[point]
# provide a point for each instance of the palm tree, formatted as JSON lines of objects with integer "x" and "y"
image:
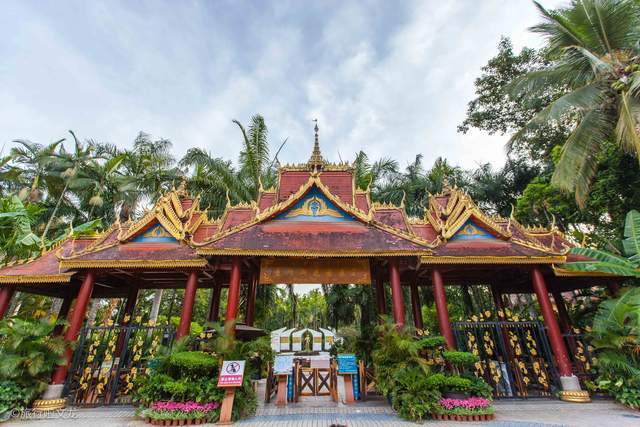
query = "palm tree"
{"x": 255, "y": 165}
{"x": 593, "y": 50}
{"x": 33, "y": 160}
{"x": 148, "y": 171}
{"x": 71, "y": 167}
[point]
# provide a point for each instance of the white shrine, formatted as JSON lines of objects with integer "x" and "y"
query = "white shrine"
{"x": 285, "y": 340}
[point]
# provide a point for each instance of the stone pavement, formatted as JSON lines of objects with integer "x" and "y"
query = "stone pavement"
{"x": 517, "y": 413}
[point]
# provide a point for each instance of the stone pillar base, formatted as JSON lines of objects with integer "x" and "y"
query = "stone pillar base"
{"x": 571, "y": 391}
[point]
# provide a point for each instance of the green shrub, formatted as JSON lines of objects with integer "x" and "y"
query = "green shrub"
{"x": 460, "y": 358}
{"x": 192, "y": 364}
{"x": 431, "y": 342}
{"x": 12, "y": 396}
{"x": 456, "y": 384}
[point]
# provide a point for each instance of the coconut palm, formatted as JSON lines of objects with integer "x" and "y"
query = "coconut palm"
{"x": 255, "y": 165}
{"x": 593, "y": 50}
{"x": 33, "y": 160}
{"x": 148, "y": 171}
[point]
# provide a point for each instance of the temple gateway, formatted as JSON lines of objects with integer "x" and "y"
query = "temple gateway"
{"x": 316, "y": 226}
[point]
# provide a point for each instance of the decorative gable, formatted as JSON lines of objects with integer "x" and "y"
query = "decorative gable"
{"x": 471, "y": 231}
{"x": 314, "y": 206}
{"x": 154, "y": 234}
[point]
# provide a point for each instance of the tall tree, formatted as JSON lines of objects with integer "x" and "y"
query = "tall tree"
{"x": 593, "y": 50}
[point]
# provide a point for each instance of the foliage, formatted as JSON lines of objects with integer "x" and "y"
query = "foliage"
{"x": 192, "y": 364}
{"x": 28, "y": 354}
{"x": 605, "y": 262}
{"x": 17, "y": 239}
{"x": 460, "y": 358}
{"x": 615, "y": 338}
{"x": 413, "y": 397}
{"x": 13, "y": 397}
{"x": 592, "y": 46}
{"x": 395, "y": 351}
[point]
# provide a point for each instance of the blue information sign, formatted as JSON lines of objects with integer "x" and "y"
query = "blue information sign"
{"x": 347, "y": 364}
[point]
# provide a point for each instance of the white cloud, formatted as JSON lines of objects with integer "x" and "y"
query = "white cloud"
{"x": 392, "y": 78}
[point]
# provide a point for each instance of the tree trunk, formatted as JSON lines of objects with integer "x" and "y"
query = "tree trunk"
{"x": 155, "y": 307}
{"x": 54, "y": 213}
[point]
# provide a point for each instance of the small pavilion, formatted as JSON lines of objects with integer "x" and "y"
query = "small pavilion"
{"x": 314, "y": 226}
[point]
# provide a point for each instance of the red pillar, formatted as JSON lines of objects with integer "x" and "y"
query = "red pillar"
{"x": 75, "y": 323}
{"x": 187, "y": 305}
{"x": 563, "y": 315}
{"x": 62, "y": 314}
{"x": 214, "y": 304}
{"x": 396, "y": 292}
{"x": 251, "y": 300}
{"x": 553, "y": 330}
{"x": 416, "y": 306}
{"x": 6, "y": 292}
{"x": 441, "y": 307}
{"x": 380, "y": 297}
{"x": 234, "y": 296}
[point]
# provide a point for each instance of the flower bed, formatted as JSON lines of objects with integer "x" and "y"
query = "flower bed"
{"x": 470, "y": 409}
{"x": 180, "y": 413}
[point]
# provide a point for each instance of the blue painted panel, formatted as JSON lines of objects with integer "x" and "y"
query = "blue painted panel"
{"x": 347, "y": 364}
{"x": 314, "y": 207}
{"x": 471, "y": 231}
{"x": 156, "y": 233}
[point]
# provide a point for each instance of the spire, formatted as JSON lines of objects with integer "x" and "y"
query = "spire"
{"x": 316, "y": 160}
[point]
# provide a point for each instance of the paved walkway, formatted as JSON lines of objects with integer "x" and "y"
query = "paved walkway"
{"x": 530, "y": 413}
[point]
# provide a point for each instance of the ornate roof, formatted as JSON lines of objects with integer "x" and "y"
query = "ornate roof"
{"x": 315, "y": 210}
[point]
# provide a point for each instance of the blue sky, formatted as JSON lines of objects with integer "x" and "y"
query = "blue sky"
{"x": 390, "y": 77}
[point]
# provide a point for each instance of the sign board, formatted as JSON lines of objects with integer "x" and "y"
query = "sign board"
{"x": 347, "y": 364}
{"x": 231, "y": 374}
{"x": 282, "y": 365}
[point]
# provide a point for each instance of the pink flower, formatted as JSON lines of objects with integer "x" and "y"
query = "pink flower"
{"x": 184, "y": 406}
{"x": 472, "y": 403}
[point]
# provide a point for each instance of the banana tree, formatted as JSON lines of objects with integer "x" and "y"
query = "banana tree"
{"x": 626, "y": 263}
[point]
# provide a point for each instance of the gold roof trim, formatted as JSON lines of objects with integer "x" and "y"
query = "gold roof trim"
{"x": 563, "y": 272}
{"x": 115, "y": 263}
{"x": 29, "y": 279}
{"x": 491, "y": 259}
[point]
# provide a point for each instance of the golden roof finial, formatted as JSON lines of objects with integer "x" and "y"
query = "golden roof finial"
{"x": 228, "y": 199}
{"x": 511, "y": 217}
{"x": 316, "y": 161}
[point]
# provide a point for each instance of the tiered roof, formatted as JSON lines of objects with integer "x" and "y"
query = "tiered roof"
{"x": 315, "y": 210}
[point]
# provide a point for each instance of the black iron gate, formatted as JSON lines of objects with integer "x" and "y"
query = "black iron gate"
{"x": 108, "y": 359}
{"x": 515, "y": 357}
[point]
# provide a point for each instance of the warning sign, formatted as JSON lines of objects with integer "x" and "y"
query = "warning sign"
{"x": 231, "y": 373}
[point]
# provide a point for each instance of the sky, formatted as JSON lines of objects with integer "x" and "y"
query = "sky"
{"x": 392, "y": 78}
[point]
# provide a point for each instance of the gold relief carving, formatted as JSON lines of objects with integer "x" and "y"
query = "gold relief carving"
{"x": 314, "y": 206}
{"x": 157, "y": 232}
{"x": 345, "y": 271}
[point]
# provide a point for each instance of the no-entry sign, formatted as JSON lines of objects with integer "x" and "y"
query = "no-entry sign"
{"x": 231, "y": 373}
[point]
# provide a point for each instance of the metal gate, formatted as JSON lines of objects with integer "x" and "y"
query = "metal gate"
{"x": 108, "y": 359}
{"x": 515, "y": 357}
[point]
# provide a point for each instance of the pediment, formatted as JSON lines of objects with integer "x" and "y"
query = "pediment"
{"x": 314, "y": 206}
